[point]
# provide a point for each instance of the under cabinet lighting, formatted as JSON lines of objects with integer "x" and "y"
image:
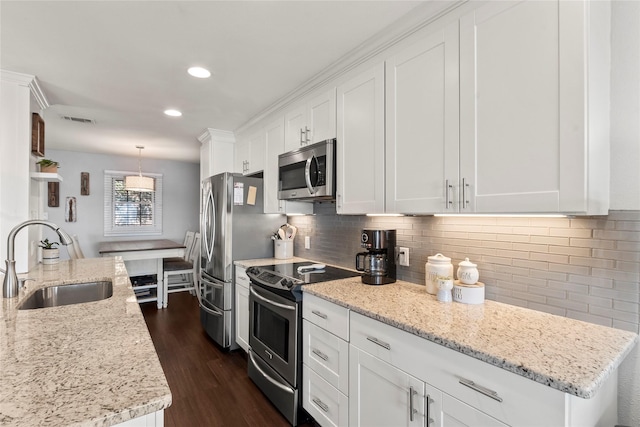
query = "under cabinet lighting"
{"x": 507, "y": 215}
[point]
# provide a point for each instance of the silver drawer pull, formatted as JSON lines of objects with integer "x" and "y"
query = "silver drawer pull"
{"x": 319, "y": 314}
{"x": 487, "y": 392}
{"x": 412, "y": 410}
{"x": 380, "y": 343}
{"x": 320, "y": 404}
{"x": 320, "y": 354}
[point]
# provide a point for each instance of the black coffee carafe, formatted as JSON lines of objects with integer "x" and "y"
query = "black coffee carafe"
{"x": 378, "y": 263}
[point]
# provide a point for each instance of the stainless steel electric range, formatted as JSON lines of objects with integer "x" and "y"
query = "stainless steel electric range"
{"x": 275, "y": 329}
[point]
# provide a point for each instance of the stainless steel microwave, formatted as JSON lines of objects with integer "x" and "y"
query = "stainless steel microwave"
{"x": 308, "y": 173}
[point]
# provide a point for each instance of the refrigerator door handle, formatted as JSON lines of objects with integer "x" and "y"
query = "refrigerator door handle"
{"x": 211, "y": 309}
{"x": 209, "y": 224}
{"x": 213, "y": 282}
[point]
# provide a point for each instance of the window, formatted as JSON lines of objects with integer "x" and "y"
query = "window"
{"x": 131, "y": 213}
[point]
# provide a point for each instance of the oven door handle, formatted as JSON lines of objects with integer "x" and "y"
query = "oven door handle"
{"x": 268, "y": 301}
{"x": 267, "y": 377}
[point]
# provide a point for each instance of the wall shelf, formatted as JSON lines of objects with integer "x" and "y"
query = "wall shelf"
{"x": 50, "y": 177}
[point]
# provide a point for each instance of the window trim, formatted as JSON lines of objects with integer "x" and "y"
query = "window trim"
{"x": 137, "y": 230}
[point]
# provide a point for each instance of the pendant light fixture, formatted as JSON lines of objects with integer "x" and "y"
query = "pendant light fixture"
{"x": 139, "y": 182}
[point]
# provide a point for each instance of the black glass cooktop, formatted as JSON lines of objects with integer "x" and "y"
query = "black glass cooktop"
{"x": 286, "y": 279}
{"x": 326, "y": 274}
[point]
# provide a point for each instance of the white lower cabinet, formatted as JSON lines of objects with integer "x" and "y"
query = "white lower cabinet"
{"x": 396, "y": 378}
{"x": 242, "y": 308}
{"x": 383, "y": 395}
{"x": 325, "y": 361}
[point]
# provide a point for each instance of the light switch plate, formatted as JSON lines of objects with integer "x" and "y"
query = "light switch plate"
{"x": 307, "y": 242}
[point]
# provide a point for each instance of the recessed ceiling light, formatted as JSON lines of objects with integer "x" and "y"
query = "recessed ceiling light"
{"x": 173, "y": 113}
{"x": 201, "y": 73}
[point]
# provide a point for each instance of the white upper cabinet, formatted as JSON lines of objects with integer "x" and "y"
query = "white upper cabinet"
{"x": 422, "y": 111}
{"x": 534, "y": 107}
{"x": 312, "y": 121}
{"x": 360, "y": 143}
{"x": 216, "y": 152}
{"x": 250, "y": 153}
{"x": 274, "y": 139}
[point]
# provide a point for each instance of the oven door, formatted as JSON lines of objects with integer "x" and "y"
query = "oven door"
{"x": 273, "y": 331}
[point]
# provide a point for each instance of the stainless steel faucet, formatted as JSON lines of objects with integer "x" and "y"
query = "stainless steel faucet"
{"x": 10, "y": 284}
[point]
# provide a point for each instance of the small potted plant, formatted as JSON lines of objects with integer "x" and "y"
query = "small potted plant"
{"x": 50, "y": 255}
{"x": 48, "y": 166}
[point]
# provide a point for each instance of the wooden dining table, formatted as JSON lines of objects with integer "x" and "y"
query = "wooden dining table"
{"x": 133, "y": 250}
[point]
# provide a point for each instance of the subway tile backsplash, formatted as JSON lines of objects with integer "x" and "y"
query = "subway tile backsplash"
{"x": 586, "y": 268}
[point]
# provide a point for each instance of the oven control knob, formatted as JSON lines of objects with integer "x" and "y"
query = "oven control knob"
{"x": 286, "y": 283}
{"x": 252, "y": 270}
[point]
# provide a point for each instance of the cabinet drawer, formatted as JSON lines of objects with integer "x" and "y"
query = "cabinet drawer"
{"x": 327, "y": 355}
{"x": 465, "y": 378}
{"x": 325, "y": 403}
{"x": 241, "y": 277}
{"x": 327, "y": 315}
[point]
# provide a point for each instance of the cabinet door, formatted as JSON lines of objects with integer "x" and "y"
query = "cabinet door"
{"x": 522, "y": 132}
{"x": 241, "y": 155}
{"x": 382, "y": 395}
{"x": 360, "y": 144}
{"x": 242, "y": 309}
{"x": 257, "y": 152}
{"x": 422, "y": 106}
{"x": 294, "y": 124}
{"x": 321, "y": 116}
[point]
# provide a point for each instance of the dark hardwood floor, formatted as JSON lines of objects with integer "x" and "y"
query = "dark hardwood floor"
{"x": 210, "y": 387}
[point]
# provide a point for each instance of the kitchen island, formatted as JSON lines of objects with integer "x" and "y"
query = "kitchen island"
{"x": 88, "y": 364}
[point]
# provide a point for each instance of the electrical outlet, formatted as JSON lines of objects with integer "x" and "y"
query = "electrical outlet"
{"x": 403, "y": 256}
{"x": 307, "y": 242}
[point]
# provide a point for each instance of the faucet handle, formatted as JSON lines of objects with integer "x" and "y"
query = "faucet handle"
{"x": 22, "y": 282}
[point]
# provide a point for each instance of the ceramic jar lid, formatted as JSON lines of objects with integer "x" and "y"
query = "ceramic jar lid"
{"x": 439, "y": 259}
{"x": 467, "y": 264}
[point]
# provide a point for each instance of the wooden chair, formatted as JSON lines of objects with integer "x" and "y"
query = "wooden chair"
{"x": 188, "y": 243}
{"x": 186, "y": 270}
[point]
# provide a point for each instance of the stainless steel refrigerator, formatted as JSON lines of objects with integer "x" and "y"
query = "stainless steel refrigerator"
{"x": 233, "y": 227}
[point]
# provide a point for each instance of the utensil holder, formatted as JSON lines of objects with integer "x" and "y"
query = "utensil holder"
{"x": 283, "y": 249}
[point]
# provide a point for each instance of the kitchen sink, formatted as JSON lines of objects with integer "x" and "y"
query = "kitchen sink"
{"x": 75, "y": 293}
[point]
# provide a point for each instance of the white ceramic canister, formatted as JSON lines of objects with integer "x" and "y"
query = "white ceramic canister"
{"x": 467, "y": 272}
{"x": 437, "y": 265}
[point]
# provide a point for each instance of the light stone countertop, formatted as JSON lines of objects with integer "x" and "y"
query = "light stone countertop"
{"x": 89, "y": 364}
{"x": 569, "y": 355}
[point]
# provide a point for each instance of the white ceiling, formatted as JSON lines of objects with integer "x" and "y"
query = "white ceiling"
{"x": 122, "y": 63}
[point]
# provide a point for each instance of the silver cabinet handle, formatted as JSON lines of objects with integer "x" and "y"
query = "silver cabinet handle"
{"x": 320, "y": 354}
{"x": 448, "y": 203}
{"x": 306, "y": 135}
{"x": 487, "y": 392}
{"x": 301, "y": 138}
{"x": 320, "y": 404}
{"x": 429, "y": 419}
{"x": 319, "y": 314}
{"x": 380, "y": 343}
{"x": 465, "y": 186}
{"x": 412, "y": 410}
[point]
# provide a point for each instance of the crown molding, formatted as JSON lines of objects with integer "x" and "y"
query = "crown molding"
{"x": 217, "y": 135}
{"x": 29, "y": 81}
{"x": 411, "y": 23}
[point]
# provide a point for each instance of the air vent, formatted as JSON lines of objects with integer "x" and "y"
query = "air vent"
{"x": 78, "y": 120}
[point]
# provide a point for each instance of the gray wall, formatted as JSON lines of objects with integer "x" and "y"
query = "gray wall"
{"x": 180, "y": 196}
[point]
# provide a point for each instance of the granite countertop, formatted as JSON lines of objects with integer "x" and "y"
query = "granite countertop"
{"x": 90, "y": 364}
{"x": 569, "y": 355}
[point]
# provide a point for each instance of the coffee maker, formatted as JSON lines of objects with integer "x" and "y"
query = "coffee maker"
{"x": 378, "y": 263}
